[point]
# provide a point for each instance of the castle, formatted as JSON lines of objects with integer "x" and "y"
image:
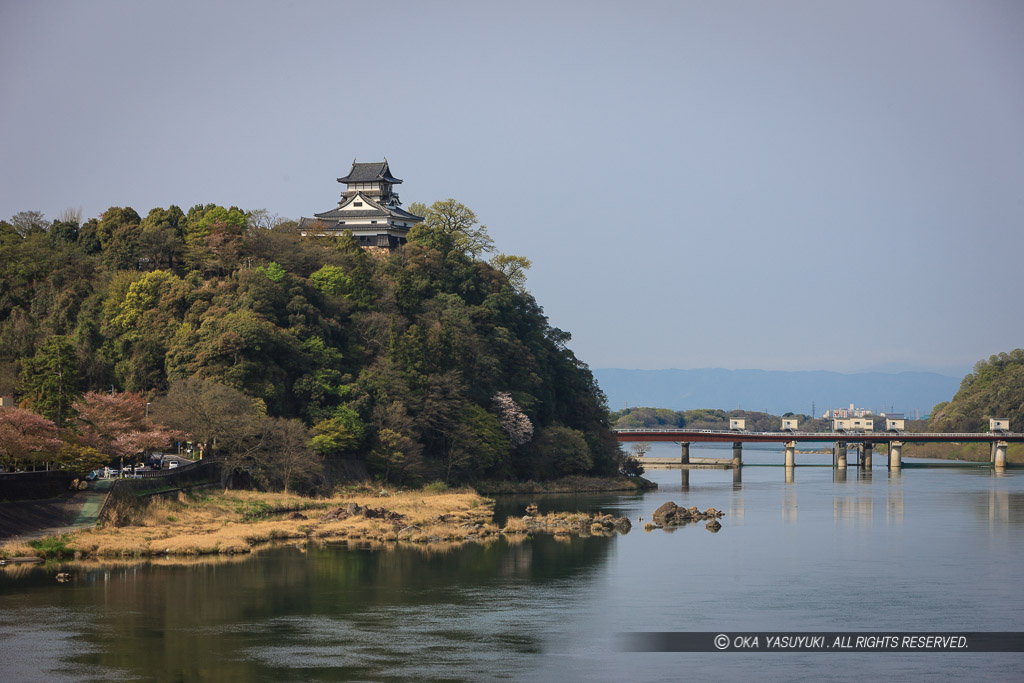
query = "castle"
{"x": 369, "y": 208}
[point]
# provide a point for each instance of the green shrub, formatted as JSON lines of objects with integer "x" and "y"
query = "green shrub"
{"x": 53, "y": 547}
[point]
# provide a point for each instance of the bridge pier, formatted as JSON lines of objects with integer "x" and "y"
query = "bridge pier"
{"x": 841, "y": 455}
{"x": 865, "y": 455}
{"x": 790, "y": 454}
{"x": 895, "y": 455}
{"x": 684, "y": 456}
{"x": 1000, "y": 456}
{"x": 790, "y": 471}
{"x": 737, "y": 454}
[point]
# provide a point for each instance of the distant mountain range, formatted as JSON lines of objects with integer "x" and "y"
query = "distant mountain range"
{"x": 776, "y": 391}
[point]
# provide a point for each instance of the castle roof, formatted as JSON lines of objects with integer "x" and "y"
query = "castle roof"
{"x": 369, "y": 173}
{"x": 374, "y": 210}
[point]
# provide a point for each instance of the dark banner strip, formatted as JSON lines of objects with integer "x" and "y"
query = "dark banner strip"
{"x": 821, "y": 641}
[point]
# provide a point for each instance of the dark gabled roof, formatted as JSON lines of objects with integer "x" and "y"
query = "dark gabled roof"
{"x": 368, "y": 173}
{"x": 339, "y": 214}
{"x": 334, "y": 226}
{"x": 405, "y": 214}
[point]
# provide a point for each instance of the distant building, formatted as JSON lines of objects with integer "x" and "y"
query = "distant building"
{"x": 369, "y": 208}
{"x": 848, "y": 412}
{"x": 998, "y": 425}
{"x": 789, "y": 424}
{"x": 737, "y": 424}
{"x": 7, "y": 402}
{"x": 853, "y": 424}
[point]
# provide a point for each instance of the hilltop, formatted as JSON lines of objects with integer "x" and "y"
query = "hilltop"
{"x": 423, "y": 361}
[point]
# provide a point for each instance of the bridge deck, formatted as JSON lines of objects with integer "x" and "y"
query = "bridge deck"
{"x": 712, "y": 436}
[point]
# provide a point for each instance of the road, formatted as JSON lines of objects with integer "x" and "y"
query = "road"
{"x": 31, "y": 519}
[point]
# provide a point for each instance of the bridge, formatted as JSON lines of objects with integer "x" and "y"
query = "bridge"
{"x": 842, "y": 440}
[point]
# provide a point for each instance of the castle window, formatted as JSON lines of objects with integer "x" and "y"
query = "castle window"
{"x": 357, "y": 203}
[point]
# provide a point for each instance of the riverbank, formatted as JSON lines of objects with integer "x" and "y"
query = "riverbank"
{"x": 970, "y": 452}
{"x": 236, "y": 522}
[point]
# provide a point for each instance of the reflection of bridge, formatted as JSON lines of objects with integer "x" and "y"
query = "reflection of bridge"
{"x": 866, "y": 441}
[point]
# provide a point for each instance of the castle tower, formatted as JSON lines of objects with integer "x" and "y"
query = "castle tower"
{"x": 369, "y": 207}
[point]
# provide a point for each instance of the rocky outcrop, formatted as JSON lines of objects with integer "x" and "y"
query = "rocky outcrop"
{"x": 568, "y": 523}
{"x": 357, "y": 510}
{"x": 671, "y": 515}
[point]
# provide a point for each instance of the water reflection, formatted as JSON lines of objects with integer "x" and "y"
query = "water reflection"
{"x": 328, "y": 608}
{"x": 543, "y": 608}
{"x": 789, "y": 507}
{"x": 736, "y": 505}
{"x": 894, "y": 498}
{"x": 856, "y": 508}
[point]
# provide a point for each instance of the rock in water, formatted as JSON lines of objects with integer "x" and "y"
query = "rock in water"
{"x": 666, "y": 512}
{"x": 670, "y": 514}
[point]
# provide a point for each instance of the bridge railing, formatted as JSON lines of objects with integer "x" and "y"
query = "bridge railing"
{"x": 824, "y": 435}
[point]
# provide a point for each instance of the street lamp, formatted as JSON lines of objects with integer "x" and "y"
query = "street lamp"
{"x": 147, "y": 409}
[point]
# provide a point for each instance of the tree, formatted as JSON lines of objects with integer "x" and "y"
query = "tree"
{"x": 513, "y": 268}
{"x": 80, "y": 459}
{"x": 28, "y": 222}
{"x": 451, "y": 226}
{"x": 118, "y": 233}
{"x": 478, "y": 447}
{"x": 217, "y": 416}
{"x": 343, "y": 432}
{"x": 513, "y": 420}
{"x": 161, "y": 237}
{"x": 25, "y": 437}
{"x": 49, "y": 380}
{"x": 261, "y": 219}
{"x": 331, "y": 280}
{"x": 559, "y": 451}
{"x": 227, "y": 422}
{"x": 117, "y": 424}
{"x": 639, "y": 450}
{"x": 289, "y": 458}
{"x": 395, "y": 451}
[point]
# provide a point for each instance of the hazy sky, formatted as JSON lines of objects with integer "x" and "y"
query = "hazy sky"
{"x": 777, "y": 185}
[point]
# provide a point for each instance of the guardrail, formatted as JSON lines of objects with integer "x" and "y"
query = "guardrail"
{"x": 189, "y": 474}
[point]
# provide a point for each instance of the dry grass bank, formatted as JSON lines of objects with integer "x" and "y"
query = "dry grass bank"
{"x": 237, "y": 521}
{"x": 193, "y": 528}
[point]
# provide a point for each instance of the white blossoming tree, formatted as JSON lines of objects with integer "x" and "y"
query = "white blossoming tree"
{"x": 514, "y": 422}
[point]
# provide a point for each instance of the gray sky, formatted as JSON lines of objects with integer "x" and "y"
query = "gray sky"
{"x": 784, "y": 185}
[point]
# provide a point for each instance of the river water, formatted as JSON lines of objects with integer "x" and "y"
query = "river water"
{"x": 920, "y": 550}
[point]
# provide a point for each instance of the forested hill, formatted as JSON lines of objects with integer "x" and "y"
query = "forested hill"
{"x": 427, "y": 362}
{"x": 994, "y": 390}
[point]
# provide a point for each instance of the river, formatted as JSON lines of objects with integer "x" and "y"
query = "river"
{"x": 921, "y": 550}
